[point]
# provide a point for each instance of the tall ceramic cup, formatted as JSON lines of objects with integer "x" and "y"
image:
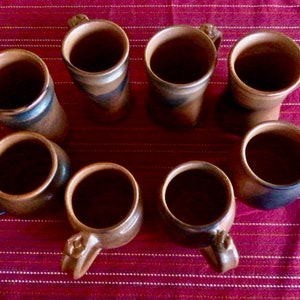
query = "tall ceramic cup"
{"x": 33, "y": 172}
{"x": 27, "y": 96}
{"x": 96, "y": 55}
{"x": 179, "y": 62}
{"x": 104, "y": 207}
{"x": 264, "y": 68}
{"x": 197, "y": 208}
{"x": 265, "y": 166}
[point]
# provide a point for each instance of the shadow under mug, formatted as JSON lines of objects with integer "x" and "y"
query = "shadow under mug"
{"x": 96, "y": 54}
{"x": 265, "y": 166}
{"x": 179, "y": 61}
{"x": 27, "y": 97}
{"x": 264, "y": 68}
{"x": 198, "y": 208}
{"x": 104, "y": 206}
{"x": 33, "y": 172}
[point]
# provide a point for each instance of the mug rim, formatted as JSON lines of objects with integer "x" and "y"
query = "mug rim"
{"x": 255, "y": 131}
{"x": 161, "y": 32}
{"x": 19, "y": 137}
{"x": 20, "y": 54}
{"x": 212, "y": 169}
{"x": 91, "y": 22}
{"x": 253, "y": 35}
{"x": 82, "y": 174}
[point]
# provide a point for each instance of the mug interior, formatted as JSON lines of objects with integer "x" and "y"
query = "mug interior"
{"x": 274, "y": 156}
{"x": 22, "y": 80}
{"x": 269, "y": 62}
{"x": 103, "y": 198}
{"x": 180, "y": 55}
{"x": 95, "y": 46}
{"x": 24, "y": 166}
{"x": 197, "y": 197}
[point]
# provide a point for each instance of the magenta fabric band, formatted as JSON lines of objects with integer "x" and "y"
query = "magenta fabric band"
{"x": 150, "y": 266}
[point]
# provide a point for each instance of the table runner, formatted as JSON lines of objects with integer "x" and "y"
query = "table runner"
{"x": 149, "y": 267}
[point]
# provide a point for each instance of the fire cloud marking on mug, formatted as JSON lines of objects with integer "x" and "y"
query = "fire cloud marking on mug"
{"x": 275, "y": 198}
{"x": 104, "y": 99}
{"x": 32, "y": 113}
{"x": 169, "y": 104}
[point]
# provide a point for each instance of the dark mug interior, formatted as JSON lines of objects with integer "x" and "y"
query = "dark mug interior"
{"x": 197, "y": 197}
{"x": 22, "y": 81}
{"x": 96, "y": 48}
{"x": 183, "y": 59}
{"x": 268, "y": 66}
{"x": 103, "y": 198}
{"x": 24, "y": 167}
{"x": 274, "y": 157}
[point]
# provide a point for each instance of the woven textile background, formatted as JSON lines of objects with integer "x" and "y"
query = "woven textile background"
{"x": 149, "y": 267}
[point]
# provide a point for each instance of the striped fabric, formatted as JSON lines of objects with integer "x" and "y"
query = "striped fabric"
{"x": 149, "y": 267}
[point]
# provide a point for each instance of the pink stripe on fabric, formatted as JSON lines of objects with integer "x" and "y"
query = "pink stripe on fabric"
{"x": 150, "y": 266}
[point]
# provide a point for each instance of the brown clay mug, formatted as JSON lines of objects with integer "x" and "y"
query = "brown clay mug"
{"x": 198, "y": 208}
{"x": 33, "y": 172}
{"x": 96, "y": 54}
{"x": 264, "y": 68}
{"x": 265, "y": 166}
{"x": 179, "y": 62}
{"x": 104, "y": 206}
{"x": 27, "y": 96}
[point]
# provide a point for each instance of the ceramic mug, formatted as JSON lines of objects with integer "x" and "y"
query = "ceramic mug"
{"x": 198, "y": 208}
{"x": 265, "y": 166}
{"x": 104, "y": 206}
{"x": 33, "y": 172}
{"x": 264, "y": 68}
{"x": 179, "y": 62}
{"x": 96, "y": 54}
{"x": 27, "y": 96}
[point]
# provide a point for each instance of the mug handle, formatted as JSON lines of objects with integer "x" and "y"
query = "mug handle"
{"x": 77, "y": 19}
{"x": 213, "y": 33}
{"x": 79, "y": 253}
{"x": 222, "y": 254}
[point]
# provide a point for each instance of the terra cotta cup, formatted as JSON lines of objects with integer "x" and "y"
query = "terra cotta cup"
{"x": 198, "y": 208}
{"x": 27, "y": 96}
{"x": 264, "y": 68}
{"x": 265, "y": 166}
{"x": 104, "y": 206}
{"x": 33, "y": 172}
{"x": 179, "y": 62}
{"x": 96, "y": 55}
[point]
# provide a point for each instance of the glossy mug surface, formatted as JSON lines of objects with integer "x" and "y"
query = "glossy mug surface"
{"x": 27, "y": 97}
{"x": 104, "y": 207}
{"x": 264, "y": 68}
{"x": 33, "y": 172}
{"x": 179, "y": 62}
{"x": 96, "y": 53}
{"x": 265, "y": 166}
{"x": 198, "y": 208}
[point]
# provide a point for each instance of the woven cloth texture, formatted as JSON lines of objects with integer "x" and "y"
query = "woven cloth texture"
{"x": 150, "y": 266}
